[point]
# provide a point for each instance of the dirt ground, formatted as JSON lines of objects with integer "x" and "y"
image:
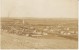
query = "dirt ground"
{"x": 11, "y": 41}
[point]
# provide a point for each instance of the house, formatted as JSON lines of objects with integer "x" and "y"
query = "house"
{"x": 44, "y": 33}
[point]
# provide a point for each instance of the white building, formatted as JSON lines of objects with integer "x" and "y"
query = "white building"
{"x": 44, "y": 33}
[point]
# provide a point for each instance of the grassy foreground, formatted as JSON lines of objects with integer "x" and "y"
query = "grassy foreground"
{"x": 11, "y": 41}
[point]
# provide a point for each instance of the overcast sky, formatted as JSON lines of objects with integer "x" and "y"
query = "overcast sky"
{"x": 40, "y": 8}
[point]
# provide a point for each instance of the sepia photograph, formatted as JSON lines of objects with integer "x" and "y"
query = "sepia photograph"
{"x": 39, "y": 24}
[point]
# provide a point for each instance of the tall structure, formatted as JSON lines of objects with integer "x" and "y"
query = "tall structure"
{"x": 23, "y": 22}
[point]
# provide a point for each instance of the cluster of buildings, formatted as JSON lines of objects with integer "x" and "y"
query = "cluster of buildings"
{"x": 30, "y": 30}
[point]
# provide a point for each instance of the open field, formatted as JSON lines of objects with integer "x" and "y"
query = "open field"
{"x": 39, "y": 33}
{"x": 10, "y": 41}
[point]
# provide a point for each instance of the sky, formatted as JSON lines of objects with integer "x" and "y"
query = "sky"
{"x": 78, "y": 9}
{"x": 39, "y": 8}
